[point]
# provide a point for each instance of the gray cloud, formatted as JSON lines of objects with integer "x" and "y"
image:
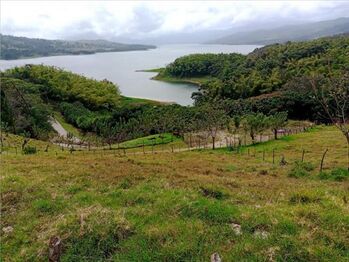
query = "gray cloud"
{"x": 138, "y": 20}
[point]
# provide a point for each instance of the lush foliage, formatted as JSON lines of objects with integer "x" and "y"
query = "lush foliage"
{"x": 277, "y": 75}
{"x": 23, "y": 111}
{"x": 60, "y": 85}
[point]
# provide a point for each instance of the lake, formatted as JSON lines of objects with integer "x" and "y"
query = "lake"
{"x": 121, "y": 67}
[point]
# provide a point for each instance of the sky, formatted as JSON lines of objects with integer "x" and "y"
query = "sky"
{"x": 137, "y": 19}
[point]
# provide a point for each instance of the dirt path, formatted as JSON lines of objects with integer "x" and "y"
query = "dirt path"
{"x": 61, "y": 131}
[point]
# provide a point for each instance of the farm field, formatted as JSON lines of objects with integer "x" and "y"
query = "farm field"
{"x": 180, "y": 206}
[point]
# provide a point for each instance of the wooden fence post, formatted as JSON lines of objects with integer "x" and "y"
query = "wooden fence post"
{"x": 322, "y": 159}
{"x": 273, "y": 155}
{"x": 303, "y": 152}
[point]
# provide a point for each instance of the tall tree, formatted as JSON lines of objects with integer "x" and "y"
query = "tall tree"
{"x": 276, "y": 121}
{"x": 256, "y": 124}
{"x": 212, "y": 119}
{"x": 332, "y": 93}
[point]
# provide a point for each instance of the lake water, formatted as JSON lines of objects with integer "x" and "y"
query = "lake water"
{"x": 121, "y": 67}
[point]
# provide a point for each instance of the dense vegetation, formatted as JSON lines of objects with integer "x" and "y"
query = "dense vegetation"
{"x": 31, "y": 92}
{"x": 13, "y": 47}
{"x": 269, "y": 79}
{"x": 23, "y": 111}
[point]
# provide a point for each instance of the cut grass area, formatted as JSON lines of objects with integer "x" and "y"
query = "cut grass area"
{"x": 187, "y": 80}
{"x": 133, "y": 101}
{"x": 151, "y": 140}
{"x": 177, "y": 207}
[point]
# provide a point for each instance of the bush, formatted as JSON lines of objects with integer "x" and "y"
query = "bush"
{"x": 338, "y": 174}
{"x": 28, "y": 150}
{"x": 301, "y": 169}
{"x": 304, "y": 198}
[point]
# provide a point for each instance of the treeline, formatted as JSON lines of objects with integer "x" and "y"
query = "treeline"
{"x": 13, "y": 47}
{"x": 276, "y": 76}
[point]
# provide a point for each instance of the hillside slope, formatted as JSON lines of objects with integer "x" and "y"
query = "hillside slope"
{"x": 287, "y": 33}
{"x": 179, "y": 206}
{"x": 13, "y": 47}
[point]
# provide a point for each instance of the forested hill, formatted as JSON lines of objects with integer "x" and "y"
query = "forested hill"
{"x": 287, "y": 33}
{"x": 267, "y": 74}
{"x": 13, "y": 47}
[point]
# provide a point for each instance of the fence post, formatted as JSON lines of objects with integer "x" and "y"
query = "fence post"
{"x": 263, "y": 155}
{"x": 273, "y": 156}
{"x": 322, "y": 159}
{"x": 303, "y": 155}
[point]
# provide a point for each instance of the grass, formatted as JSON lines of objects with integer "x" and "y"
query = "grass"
{"x": 187, "y": 80}
{"x": 133, "y": 101}
{"x": 150, "y": 140}
{"x": 178, "y": 207}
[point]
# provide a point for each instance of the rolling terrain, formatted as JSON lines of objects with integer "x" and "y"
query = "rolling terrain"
{"x": 13, "y": 47}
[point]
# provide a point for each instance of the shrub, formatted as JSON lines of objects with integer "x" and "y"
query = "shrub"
{"x": 98, "y": 238}
{"x": 210, "y": 210}
{"x": 338, "y": 174}
{"x": 28, "y": 150}
{"x": 44, "y": 206}
{"x": 301, "y": 169}
{"x": 304, "y": 198}
{"x": 213, "y": 193}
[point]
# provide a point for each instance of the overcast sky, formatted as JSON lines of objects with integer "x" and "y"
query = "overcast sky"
{"x": 65, "y": 19}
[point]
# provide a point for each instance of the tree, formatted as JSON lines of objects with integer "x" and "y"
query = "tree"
{"x": 212, "y": 119}
{"x": 277, "y": 121}
{"x": 332, "y": 93}
{"x": 234, "y": 126}
{"x": 255, "y": 124}
{"x": 108, "y": 132}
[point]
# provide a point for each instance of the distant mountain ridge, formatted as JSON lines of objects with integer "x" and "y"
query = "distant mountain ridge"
{"x": 13, "y": 47}
{"x": 286, "y": 33}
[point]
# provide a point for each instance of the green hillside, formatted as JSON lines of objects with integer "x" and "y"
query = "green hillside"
{"x": 13, "y": 47}
{"x": 275, "y": 76}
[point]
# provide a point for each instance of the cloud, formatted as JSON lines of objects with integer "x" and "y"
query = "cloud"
{"x": 66, "y": 19}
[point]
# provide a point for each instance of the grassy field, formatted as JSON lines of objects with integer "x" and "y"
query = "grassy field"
{"x": 180, "y": 206}
{"x": 188, "y": 80}
{"x": 133, "y": 101}
{"x": 151, "y": 140}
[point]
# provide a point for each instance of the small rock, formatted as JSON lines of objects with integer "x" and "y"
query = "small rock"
{"x": 261, "y": 234}
{"x": 7, "y": 230}
{"x": 215, "y": 258}
{"x": 236, "y": 228}
{"x": 271, "y": 253}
